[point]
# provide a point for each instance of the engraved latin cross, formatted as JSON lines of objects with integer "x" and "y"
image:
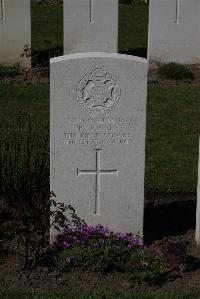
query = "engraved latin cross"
{"x": 97, "y": 172}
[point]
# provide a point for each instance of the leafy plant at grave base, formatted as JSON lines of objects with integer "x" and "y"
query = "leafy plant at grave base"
{"x": 9, "y": 70}
{"x": 27, "y": 51}
{"x": 175, "y": 71}
{"x": 99, "y": 249}
{"x": 61, "y": 216}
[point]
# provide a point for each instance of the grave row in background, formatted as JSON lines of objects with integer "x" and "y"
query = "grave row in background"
{"x": 92, "y": 25}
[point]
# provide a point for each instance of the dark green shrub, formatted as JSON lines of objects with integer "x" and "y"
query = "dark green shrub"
{"x": 175, "y": 71}
{"x": 24, "y": 159}
{"x": 24, "y": 182}
{"x": 25, "y": 199}
{"x": 9, "y": 70}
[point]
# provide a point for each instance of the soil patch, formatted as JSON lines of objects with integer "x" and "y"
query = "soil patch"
{"x": 40, "y": 75}
{"x": 154, "y": 77}
{"x": 32, "y": 76}
{"x": 184, "y": 277}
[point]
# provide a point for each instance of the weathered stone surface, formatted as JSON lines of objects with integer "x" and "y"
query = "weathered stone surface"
{"x": 198, "y": 205}
{"x": 90, "y": 25}
{"x": 174, "y": 31}
{"x": 98, "y": 120}
{"x": 15, "y": 31}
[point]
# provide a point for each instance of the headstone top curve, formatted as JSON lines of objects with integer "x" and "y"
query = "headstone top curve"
{"x": 97, "y": 55}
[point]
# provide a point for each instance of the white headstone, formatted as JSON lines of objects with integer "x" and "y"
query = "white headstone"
{"x": 198, "y": 205}
{"x": 98, "y": 120}
{"x": 15, "y": 31}
{"x": 174, "y": 31}
{"x": 90, "y": 25}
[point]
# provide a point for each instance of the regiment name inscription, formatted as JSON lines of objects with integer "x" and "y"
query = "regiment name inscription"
{"x": 100, "y": 131}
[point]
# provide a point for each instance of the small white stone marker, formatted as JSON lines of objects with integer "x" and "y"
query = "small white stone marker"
{"x": 15, "y": 31}
{"x": 97, "y": 133}
{"x": 90, "y": 25}
{"x": 174, "y": 31}
{"x": 198, "y": 205}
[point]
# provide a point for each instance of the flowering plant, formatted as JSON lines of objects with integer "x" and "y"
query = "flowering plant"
{"x": 94, "y": 236}
{"x": 99, "y": 249}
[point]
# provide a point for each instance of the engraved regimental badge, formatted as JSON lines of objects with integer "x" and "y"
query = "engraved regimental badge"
{"x": 98, "y": 92}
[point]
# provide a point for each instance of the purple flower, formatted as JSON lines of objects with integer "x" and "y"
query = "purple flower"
{"x": 106, "y": 231}
{"x": 66, "y": 245}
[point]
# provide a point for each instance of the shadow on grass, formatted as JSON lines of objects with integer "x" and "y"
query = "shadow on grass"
{"x": 168, "y": 220}
{"x": 140, "y": 52}
{"x": 42, "y": 57}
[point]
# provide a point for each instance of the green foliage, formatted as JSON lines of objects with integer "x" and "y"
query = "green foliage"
{"x": 98, "y": 249}
{"x": 24, "y": 188}
{"x": 175, "y": 71}
{"x": 24, "y": 152}
{"x": 138, "y": 266}
{"x": 9, "y": 70}
{"x": 24, "y": 181}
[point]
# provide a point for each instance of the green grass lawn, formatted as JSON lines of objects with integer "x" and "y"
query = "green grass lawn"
{"x": 98, "y": 295}
{"x": 47, "y": 28}
{"x": 133, "y": 29}
{"x": 173, "y": 124}
{"x": 14, "y": 99}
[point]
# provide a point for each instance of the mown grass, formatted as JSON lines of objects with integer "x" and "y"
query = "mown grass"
{"x": 47, "y": 28}
{"x": 133, "y": 29}
{"x": 34, "y": 100}
{"x": 173, "y": 125}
